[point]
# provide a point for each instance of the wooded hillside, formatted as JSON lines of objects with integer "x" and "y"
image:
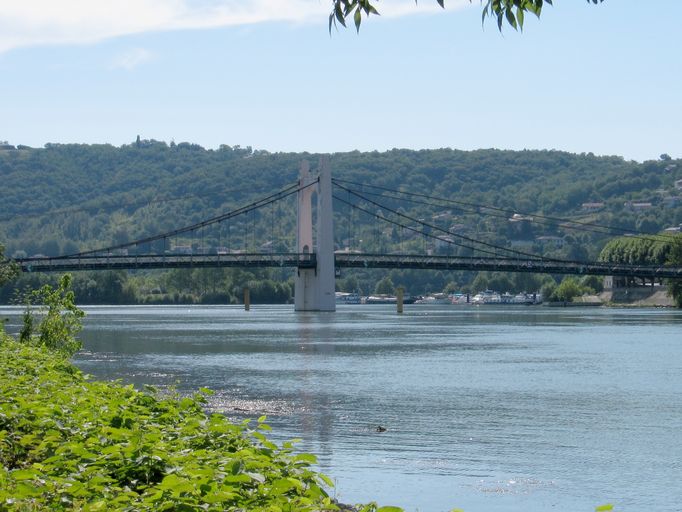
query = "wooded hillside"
{"x": 64, "y": 198}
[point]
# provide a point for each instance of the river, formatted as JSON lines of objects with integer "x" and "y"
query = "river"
{"x": 485, "y": 408}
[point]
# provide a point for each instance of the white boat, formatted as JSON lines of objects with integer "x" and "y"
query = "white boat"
{"x": 348, "y": 298}
{"x": 434, "y": 298}
{"x": 486, "y": 297}
{"x": 381, "y": 299}
{"x": 460, "y": 298}
{"x": 527, "y": 298}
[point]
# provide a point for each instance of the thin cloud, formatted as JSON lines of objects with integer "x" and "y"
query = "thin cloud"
{"x": 131, "y": 59}
{"x": 47, "y": 22}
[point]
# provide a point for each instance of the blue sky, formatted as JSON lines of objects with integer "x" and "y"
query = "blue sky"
{"x": 605, "y": 79}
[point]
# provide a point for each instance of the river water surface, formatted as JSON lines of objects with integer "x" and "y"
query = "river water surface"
{"x": 485, "y": 408}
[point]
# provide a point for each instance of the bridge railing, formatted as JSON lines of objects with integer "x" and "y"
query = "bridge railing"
{"x": 152, "y": 261}
{"x": 415, "y": 261}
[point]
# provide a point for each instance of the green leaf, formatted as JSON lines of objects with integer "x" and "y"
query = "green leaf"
{"x": 339, "y": 14}
{"x": 235, "y": 479}
{"x": 604, "y": 508}
{"x": 357, "y": 18}
{"x": 520, "y": 16}
{"x": 24, "y": 474}
{"x": 219, "y": 497}
{"x": 306, "y": 457}
{"x": 281, "y": 486}
{"x": 328, "y": 481}
{"x": 510, "y": 17}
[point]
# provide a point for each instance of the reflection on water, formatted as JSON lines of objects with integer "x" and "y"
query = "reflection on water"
{"x": 486, "y": 409}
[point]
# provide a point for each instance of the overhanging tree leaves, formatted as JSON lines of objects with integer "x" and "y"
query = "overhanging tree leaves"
{"x": 511, "y": 11}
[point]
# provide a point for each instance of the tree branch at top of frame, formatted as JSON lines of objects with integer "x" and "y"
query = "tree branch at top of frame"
{"x": 512, "y": 12}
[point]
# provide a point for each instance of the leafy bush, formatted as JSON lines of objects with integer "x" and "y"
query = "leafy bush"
{"x": 60, "y": 319}
{"x": 69, "y": 443}
{"x": 8, "y": 270}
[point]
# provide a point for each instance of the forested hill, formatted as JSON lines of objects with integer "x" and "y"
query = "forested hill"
{"x": 67, "y": 197}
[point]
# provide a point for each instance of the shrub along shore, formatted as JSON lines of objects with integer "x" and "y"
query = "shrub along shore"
{"x": 71, "y": 443}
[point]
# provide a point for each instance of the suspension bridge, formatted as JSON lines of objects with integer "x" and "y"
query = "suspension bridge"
{"x": 314, "y": 258}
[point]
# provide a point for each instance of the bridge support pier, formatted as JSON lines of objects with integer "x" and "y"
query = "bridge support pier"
{"x": 314, "y": 287}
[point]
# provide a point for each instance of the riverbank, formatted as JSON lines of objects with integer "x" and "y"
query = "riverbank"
{"x": 656, "y": 296}
{"x": 67, "y": 442}
{"x": 644, "y": 297}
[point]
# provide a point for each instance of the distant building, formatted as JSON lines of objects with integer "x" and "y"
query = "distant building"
{"x": 517, "y": 217}
{"x": 268, "y": 246}
{"x": 182, "y": 249}
{"x": 672, "y": 201}
{"x": 556, "y": 241}
{"x": 521, "y": 244}
{"x": 592, "y": 207}
{"x": 457, "y": 228}
{"x": 634, "y": 206}
{"x": 444, "y": 216}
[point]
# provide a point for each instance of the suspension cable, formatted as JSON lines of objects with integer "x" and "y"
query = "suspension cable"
{"x": 288, "y": 191}
{"x": 475, "y": 208}
{"x": 526, "y": 255}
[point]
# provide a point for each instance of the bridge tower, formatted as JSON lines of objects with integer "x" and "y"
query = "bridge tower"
{"x": 314, "y": 287}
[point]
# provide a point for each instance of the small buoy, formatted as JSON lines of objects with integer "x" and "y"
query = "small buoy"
{"x": 381, "y": 429}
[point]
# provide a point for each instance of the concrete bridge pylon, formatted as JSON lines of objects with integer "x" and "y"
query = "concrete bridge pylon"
{"x": 314, "y": 287}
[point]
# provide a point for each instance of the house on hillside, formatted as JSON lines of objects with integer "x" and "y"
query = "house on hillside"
{"x": 672, "y": 201}
{"x": 517, "y": 217}
{"x": 182, "y": 249}
{"x": 592, "y": 207}
{"x": 635, "y": 206}
{"x": 555, "y": 241}
{"x": 458, "y": 228}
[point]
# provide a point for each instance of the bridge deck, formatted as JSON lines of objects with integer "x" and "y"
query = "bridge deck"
{"x": 155, "y": 261}
{"x": 400, "y": 261}
{"x": 412, "y": 261}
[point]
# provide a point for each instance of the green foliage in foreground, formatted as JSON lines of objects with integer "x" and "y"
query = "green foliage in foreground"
{"x": 60, "y": 321}
{"x": 69, "y": 443}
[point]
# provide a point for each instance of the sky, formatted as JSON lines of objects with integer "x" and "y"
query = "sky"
{"x": 605, "y": 79}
